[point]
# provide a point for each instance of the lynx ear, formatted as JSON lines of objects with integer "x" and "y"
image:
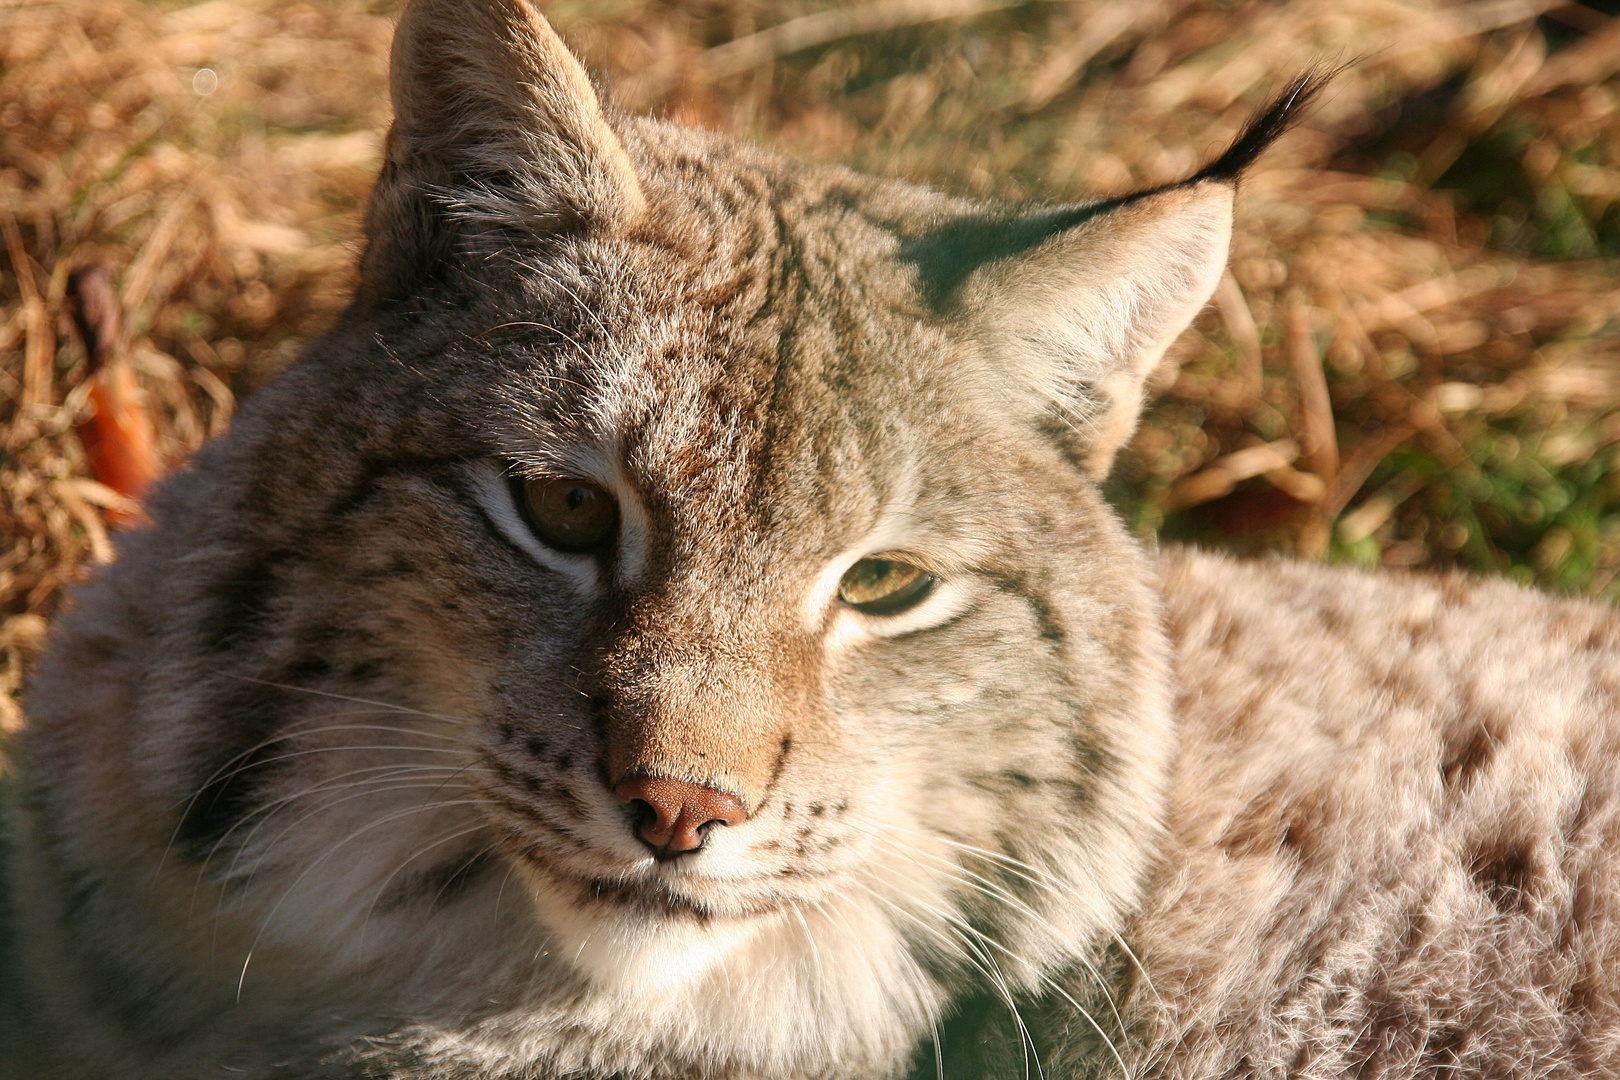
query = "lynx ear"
{"x": 496, "y": 130}
{"x": 1081, "y": 319}
{"x": 1078, "y": 304}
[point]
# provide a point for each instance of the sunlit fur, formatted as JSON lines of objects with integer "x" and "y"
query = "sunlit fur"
{"x": 319, "y": 774}
{"x": 318, "y": 779}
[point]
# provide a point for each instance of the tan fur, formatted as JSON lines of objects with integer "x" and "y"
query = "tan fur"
{"x": 1393, "y": 834}
{"x": 319, "y": 776}
{"x": 1406, "y": 787}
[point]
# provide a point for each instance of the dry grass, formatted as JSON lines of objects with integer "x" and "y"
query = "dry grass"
{"x": 1413, "y": 360}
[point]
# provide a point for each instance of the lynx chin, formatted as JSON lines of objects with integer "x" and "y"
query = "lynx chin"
{"x": 669, "y": 629}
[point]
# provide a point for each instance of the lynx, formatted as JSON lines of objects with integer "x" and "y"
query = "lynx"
{"x": 670, "y": 628}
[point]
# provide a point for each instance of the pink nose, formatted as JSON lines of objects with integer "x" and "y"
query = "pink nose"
{"x": 673, "y": 813}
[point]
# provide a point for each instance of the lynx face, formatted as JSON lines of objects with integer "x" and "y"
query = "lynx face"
{"x": 676, "y": 590}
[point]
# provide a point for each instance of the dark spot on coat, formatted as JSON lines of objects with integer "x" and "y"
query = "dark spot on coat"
{"x": 1466, "y": 756}
{"x": 1504, "y": 870}
{"x": 227, "y": 781}
{"x": 1299, "y": 837}
{"x": 1257, "y": 829}
{"x": 1586, "y": 995}
{"x": 365, "y": 669}
{"x": 1276, "y": 820}
{"x": 308, "y": 670}
{"x": 1444, "y": 1051}
{"x": 440, "y": 886}
{"x": 241, "y": 602}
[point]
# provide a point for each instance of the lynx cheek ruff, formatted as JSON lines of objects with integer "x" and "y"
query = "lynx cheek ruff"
{"x": 669, "y": 629}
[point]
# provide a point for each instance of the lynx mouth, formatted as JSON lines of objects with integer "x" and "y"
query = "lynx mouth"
{"x": 574, "y": 872}
{"x": 640, "y": 934}
{"x": 649, "y": 898}
{"x": 656, "y": 896}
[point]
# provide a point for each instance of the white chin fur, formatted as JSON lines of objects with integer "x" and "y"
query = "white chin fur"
{"x": 630, "y": 952}
{"x": 832, "y": 983}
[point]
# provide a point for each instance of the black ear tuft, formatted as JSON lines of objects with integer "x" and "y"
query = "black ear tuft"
{"x": 1283, "y": 113}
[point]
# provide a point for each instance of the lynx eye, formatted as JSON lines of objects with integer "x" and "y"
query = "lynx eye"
{"x": 569, "y": 515}
{"x": 884, "y": 586}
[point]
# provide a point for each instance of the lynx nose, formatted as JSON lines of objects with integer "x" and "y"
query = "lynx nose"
{"x": 671, "y": 814}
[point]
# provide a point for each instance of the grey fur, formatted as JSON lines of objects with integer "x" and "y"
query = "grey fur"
{"x": 317, "y": 780}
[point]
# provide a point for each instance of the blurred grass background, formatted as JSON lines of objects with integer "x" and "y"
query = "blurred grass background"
{"x": 1413, "y": 360}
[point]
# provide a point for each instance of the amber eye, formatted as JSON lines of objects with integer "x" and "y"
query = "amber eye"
{"x": 569, "y": 515}
{"x": 883, "y": 586}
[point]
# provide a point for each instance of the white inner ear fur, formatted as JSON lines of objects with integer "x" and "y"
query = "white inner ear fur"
{"x": 1082, "y": 319}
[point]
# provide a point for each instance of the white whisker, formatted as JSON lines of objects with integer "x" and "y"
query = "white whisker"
{"x": 815, "y": 955}
{"x": 976, "y": 956}
{"x": 405, "y": 710}
{"x": 511, "y": 866}
{"x": 412, "y": 857}
{"x": 289, "y": 731}
{"x": 375, "y": 786}
{"x": 336, "y": 782}
{"x": 995, "y": 892}
{"x": 968, "y": 927}
{"x": 1045, "y": 880}
{"x": 328, "y": 853}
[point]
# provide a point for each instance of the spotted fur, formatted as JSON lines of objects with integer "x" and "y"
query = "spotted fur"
{"x": 319, "y": 777}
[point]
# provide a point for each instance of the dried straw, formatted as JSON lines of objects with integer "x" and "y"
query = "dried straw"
{"x": 1404, "y": 364}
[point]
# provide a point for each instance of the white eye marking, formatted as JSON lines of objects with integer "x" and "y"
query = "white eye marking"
{"x": 635, "y": 529}
{"x": 493, "y": 489}
{"x": 946, "y": 600}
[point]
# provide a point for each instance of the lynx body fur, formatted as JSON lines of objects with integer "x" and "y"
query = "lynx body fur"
{"x": 320, "y": 778}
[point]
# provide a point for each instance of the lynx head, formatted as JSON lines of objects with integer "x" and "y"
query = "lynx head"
{"x": 677, "y": 589}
